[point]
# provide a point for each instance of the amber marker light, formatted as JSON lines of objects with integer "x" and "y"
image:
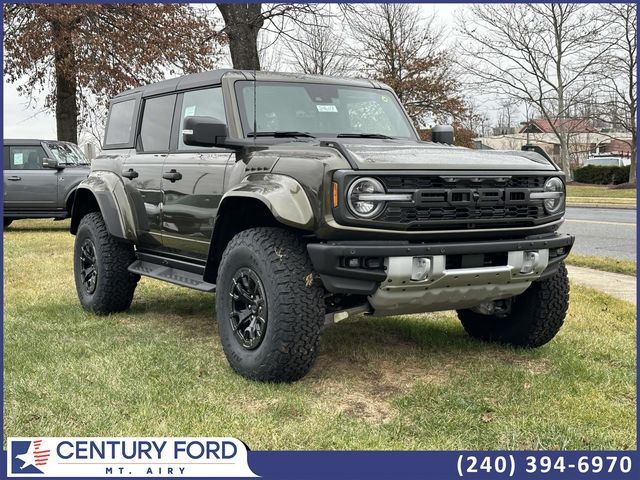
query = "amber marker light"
{"x": 334, "y": 189}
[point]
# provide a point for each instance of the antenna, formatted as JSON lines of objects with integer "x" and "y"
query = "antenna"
{"x": 255, "y": 108}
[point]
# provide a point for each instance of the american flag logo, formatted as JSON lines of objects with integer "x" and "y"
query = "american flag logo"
{"x": 36, "y": 455}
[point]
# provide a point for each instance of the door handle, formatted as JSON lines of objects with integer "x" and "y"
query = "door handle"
{"x": 172, "y": 175}
{"x": 130, "y": 174}
{"x": 14, "y": 178}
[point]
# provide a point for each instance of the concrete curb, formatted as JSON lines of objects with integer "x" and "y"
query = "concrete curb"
{"x": 617, "y": 285}
{"x": 619, "y": 206}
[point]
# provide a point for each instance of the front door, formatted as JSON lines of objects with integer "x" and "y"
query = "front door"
{"x": 193, "y": 179}
{"x": 28, "y": 186}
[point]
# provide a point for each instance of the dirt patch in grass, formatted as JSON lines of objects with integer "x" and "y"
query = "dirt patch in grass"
{"x": 365, "y": 390}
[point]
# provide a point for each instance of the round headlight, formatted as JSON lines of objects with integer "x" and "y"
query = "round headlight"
{"x": 554, "y": 205}
{"x": 359, "y": 197}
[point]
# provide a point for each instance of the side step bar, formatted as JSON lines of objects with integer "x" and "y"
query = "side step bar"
{"x": 171, "y": 275}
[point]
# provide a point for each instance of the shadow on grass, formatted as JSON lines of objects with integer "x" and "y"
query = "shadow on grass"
{"x": 28, "y": 226}
{"x": 415, "y": 335}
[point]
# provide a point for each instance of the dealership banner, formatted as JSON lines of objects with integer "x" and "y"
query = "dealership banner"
{"x": 127, "y": 457}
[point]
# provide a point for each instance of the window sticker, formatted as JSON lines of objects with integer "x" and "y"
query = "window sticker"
{"x": 18, "y": 159}
{"x": 190, "y": 111}
{"x": 327, "y": 108}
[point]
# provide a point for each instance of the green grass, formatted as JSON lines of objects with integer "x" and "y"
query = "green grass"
{"x": 581, "y": 194}
{"x": 413, "y": 382}
{"x": 607, "y": 264}
{"x": 577, "y": 190}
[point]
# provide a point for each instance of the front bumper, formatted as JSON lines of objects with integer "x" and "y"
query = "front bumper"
{"x": 460, "y": 275}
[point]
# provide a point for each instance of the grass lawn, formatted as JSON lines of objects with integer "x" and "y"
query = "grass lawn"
{"x": 607, "y": 264}
{"x": 415, "y": 382}
{"x": 581, "y": 194}
{"x": 578, "y": 190}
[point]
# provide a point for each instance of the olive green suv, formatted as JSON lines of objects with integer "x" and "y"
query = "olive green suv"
{"x": 304, "y": 200}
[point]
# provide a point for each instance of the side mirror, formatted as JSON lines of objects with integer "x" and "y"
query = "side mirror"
{"x": 442, "y": 134}
{"x": 203, "y": 131}
{"x": 52, "y": 163}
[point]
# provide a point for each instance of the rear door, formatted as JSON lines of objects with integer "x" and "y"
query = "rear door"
{"x": 142, "y": 171}
{"x": 27, "y": 184}
{"x": 193, "y": 178}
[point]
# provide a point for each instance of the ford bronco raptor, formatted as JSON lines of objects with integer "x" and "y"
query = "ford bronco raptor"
{"x": 303, "y": 200}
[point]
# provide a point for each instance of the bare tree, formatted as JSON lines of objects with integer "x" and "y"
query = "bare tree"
{"x": 396, "y": 45}
{"x": 617, "y": 99}
{"x": 544, "y": 54}
{"x": 71, "y": 50}
{"x": 320, "y": 49}
{"x": 244, "y": 21}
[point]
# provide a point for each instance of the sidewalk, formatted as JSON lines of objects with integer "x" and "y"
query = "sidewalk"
{"x": 614, "y": 284}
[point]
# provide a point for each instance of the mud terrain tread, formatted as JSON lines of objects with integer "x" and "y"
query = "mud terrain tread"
{"x": 536, "y": 317}
{"x": 116, "y": 285}
{"x": 295, "y": 305}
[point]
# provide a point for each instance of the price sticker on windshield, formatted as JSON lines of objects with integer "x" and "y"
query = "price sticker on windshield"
{"x": 327, "y": 108}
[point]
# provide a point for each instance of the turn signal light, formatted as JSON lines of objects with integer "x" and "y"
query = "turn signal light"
{"x": 334, "y": 190}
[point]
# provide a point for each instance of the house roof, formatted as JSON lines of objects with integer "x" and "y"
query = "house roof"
{"x": 573, "y": 125}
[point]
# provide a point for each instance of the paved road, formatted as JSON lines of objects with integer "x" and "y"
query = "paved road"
{"x": 603, "y": 232}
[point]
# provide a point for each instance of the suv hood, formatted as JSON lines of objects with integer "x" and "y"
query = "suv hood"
{"x": 398, "y": 155}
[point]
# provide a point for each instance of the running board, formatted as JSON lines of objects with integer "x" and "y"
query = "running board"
{"x": 171, "y": 275}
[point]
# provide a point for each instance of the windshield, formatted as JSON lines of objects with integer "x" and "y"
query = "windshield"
{"x": 68, "y": 153}
{"x": 320, "y": 110}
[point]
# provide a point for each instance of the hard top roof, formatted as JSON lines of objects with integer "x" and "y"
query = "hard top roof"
{"x": 214, "y": 77}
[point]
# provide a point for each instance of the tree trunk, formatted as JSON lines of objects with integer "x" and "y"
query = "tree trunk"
{"x": 243, "y": 22}
{"x": 634, "y": 151}
{"x": 66, "y": 86}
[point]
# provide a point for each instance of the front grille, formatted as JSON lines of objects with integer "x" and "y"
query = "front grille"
{"x": 460, "y": 202}
{"x": 417, "y": 182}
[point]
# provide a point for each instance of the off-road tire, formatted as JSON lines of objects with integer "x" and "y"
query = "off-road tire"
{"x": 115, "y": 285}
{"x": 535, "y": 318}
{"x": 6, "y": 223}
{"x": 295, "y": 305}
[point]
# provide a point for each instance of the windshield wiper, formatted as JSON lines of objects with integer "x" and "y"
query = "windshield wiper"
{"x": 280, "y": 134}
{"x": 364, "y": 135}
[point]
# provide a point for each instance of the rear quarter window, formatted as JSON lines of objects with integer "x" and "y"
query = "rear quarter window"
{"x": 120, "y": 124}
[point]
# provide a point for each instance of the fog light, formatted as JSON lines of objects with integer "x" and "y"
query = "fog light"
{"x": 353, "y": 262}
{"x": 373, "y": 263}
{"x": 421, "y": 268}
{"x": 529, "y": 262}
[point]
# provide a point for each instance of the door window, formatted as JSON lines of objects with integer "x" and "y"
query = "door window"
{"x": 26, "y": 158}
{"x": 155, "y": 131}
{"x": 201, "y": 103}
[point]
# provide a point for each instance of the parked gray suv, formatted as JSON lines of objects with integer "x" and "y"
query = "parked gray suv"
{"x": 304, "y": 200}
{"x": 40, "y": 178}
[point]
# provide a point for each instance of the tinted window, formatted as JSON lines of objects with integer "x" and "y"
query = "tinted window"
{"x": 202, "y": 103}
{"x": 120, "y": 120}
{"x": 156, "y": 123}
{"x": 26, "y": 158}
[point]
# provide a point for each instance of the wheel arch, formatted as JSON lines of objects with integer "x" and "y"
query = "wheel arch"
{"x": 239, "y": 211}
{"x": 105, "y": 194}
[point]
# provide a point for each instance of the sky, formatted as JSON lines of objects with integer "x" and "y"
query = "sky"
{"x": 25, "y": 119}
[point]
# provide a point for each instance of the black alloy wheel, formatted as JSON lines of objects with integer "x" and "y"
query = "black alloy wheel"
{"x": 89, "y": 266}
{"x": 248, "y": 308}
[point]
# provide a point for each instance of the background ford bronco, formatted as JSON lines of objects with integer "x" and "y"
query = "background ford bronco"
{"x": 302, "y": 200}
{"x": 40, "y": 178}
